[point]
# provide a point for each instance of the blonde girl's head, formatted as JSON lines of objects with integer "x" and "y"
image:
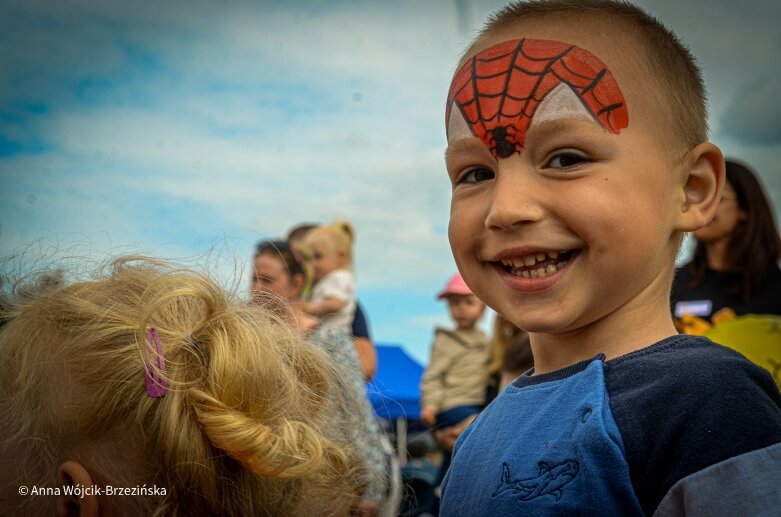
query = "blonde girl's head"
{"x": 328, "y": 248}
{"x": 506, "y": 339}
{"x": 242, "y": 417}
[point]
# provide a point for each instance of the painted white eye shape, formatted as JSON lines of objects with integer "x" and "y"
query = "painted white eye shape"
{"x": 457, "y": 126}
{"x": 561, "y": 103}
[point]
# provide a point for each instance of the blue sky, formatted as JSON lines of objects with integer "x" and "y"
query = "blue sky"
{"x": 185, "y": 128}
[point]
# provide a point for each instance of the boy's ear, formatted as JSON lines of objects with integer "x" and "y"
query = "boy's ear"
{"x": 79, "y": 503}
{"x": 703, "y": 169}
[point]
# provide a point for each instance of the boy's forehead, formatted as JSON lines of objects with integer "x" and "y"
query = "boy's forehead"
{"x": 528, "y": 73}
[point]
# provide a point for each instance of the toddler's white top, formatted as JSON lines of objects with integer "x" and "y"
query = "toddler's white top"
{"x": 337, "y": 284}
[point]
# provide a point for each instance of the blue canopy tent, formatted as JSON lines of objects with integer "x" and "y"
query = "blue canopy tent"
{"x": 395, "y": 390}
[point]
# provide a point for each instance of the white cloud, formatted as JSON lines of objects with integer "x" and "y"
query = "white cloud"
{"x": 228, "y": 139}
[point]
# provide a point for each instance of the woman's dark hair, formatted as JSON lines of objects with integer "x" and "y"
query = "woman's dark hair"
{"x": 754, "y": 247}
{"x": 281, "y": 250}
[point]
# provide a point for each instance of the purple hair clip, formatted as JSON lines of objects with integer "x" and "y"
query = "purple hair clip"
{"x": 156, "y": 386}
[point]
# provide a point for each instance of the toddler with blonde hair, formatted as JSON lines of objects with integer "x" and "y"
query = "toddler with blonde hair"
{"x": 328, "y": 253}
{"x": 148, "y": 390}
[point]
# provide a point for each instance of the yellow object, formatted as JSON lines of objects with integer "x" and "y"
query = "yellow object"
{"x": 758, "y": 337}
{"x": 723, "y": 315}
{"x": 692, "y": 325}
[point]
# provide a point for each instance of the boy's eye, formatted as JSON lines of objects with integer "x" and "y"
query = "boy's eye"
{"x": 476, "y": 175}
{"x": 566, "y": 159}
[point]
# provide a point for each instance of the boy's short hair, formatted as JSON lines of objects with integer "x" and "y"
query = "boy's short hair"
{"x": 672, "y": 64}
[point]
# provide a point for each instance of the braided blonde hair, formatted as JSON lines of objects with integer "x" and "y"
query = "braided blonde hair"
{"x": 250, "y": 423}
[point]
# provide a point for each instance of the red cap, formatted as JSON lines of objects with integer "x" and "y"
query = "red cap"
{"x": 455, "y": 285}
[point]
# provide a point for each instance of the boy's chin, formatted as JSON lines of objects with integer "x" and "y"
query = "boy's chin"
{"x": 540, "y": 323}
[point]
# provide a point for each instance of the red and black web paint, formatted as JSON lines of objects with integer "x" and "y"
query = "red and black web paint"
{"x": 498, "y": 90}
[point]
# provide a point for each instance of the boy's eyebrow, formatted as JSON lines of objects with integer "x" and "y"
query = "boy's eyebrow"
{"x": 463, "y": 145}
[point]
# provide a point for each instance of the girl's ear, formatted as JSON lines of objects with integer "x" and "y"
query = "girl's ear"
{"x": 703, "y": 182}
{"x": 81, "y": 502}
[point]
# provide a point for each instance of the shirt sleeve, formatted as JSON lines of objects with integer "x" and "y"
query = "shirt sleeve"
{"x": 700, "y": 424}
{"x": 747, "y": 484}
{"x": 360, "y": 326}
{"x": 339, "y": 285}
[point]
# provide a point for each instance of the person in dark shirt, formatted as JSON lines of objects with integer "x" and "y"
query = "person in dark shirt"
{"x": 363, "y": 343}
{"x": 735, "y": 264}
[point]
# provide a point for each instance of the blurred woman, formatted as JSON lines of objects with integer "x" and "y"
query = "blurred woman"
{"x": 279, "y": 277}
{"x": 278, "y": 272}
{"x": 736, "y": 260}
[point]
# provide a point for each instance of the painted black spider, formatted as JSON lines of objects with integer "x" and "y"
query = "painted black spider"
{"x": 501, "y": 140}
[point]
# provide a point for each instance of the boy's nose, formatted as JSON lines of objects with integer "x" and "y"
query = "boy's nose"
{"x": 513, "y": 201}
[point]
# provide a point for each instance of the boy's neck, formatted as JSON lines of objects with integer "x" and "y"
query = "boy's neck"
{"x": 637, "y": 324}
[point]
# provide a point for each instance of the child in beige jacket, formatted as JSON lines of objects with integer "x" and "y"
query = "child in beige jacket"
{"x": 453, "y": 386}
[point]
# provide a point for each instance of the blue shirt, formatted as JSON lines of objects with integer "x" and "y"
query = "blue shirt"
{"x": 663, "y": 429}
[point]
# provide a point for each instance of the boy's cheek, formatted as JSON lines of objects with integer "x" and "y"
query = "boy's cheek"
{"x": 459, "y": 233}
{"x": 467, "y": 208}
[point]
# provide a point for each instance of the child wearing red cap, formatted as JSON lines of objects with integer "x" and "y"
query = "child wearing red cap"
{"x": 454, "y": 383}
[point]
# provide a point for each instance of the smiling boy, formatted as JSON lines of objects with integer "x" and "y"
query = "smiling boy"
{"x": 578, "y": 156}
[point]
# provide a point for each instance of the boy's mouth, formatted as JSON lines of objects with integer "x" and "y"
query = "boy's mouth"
{"x": 537, "y": 265}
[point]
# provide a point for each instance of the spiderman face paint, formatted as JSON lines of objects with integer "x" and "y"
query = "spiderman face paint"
{"x": 501, "y": 92}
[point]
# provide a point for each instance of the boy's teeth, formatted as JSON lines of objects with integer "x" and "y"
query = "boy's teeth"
{"x": 512, "y": 262}
{"x": 531, "y": 259}
{"x": 523, "y": 266}
{"x": 540, "y": 272}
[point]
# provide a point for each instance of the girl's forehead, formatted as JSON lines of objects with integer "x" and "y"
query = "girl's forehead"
{"x": 322, "y": 243}
{"x": 324, "y": 236}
